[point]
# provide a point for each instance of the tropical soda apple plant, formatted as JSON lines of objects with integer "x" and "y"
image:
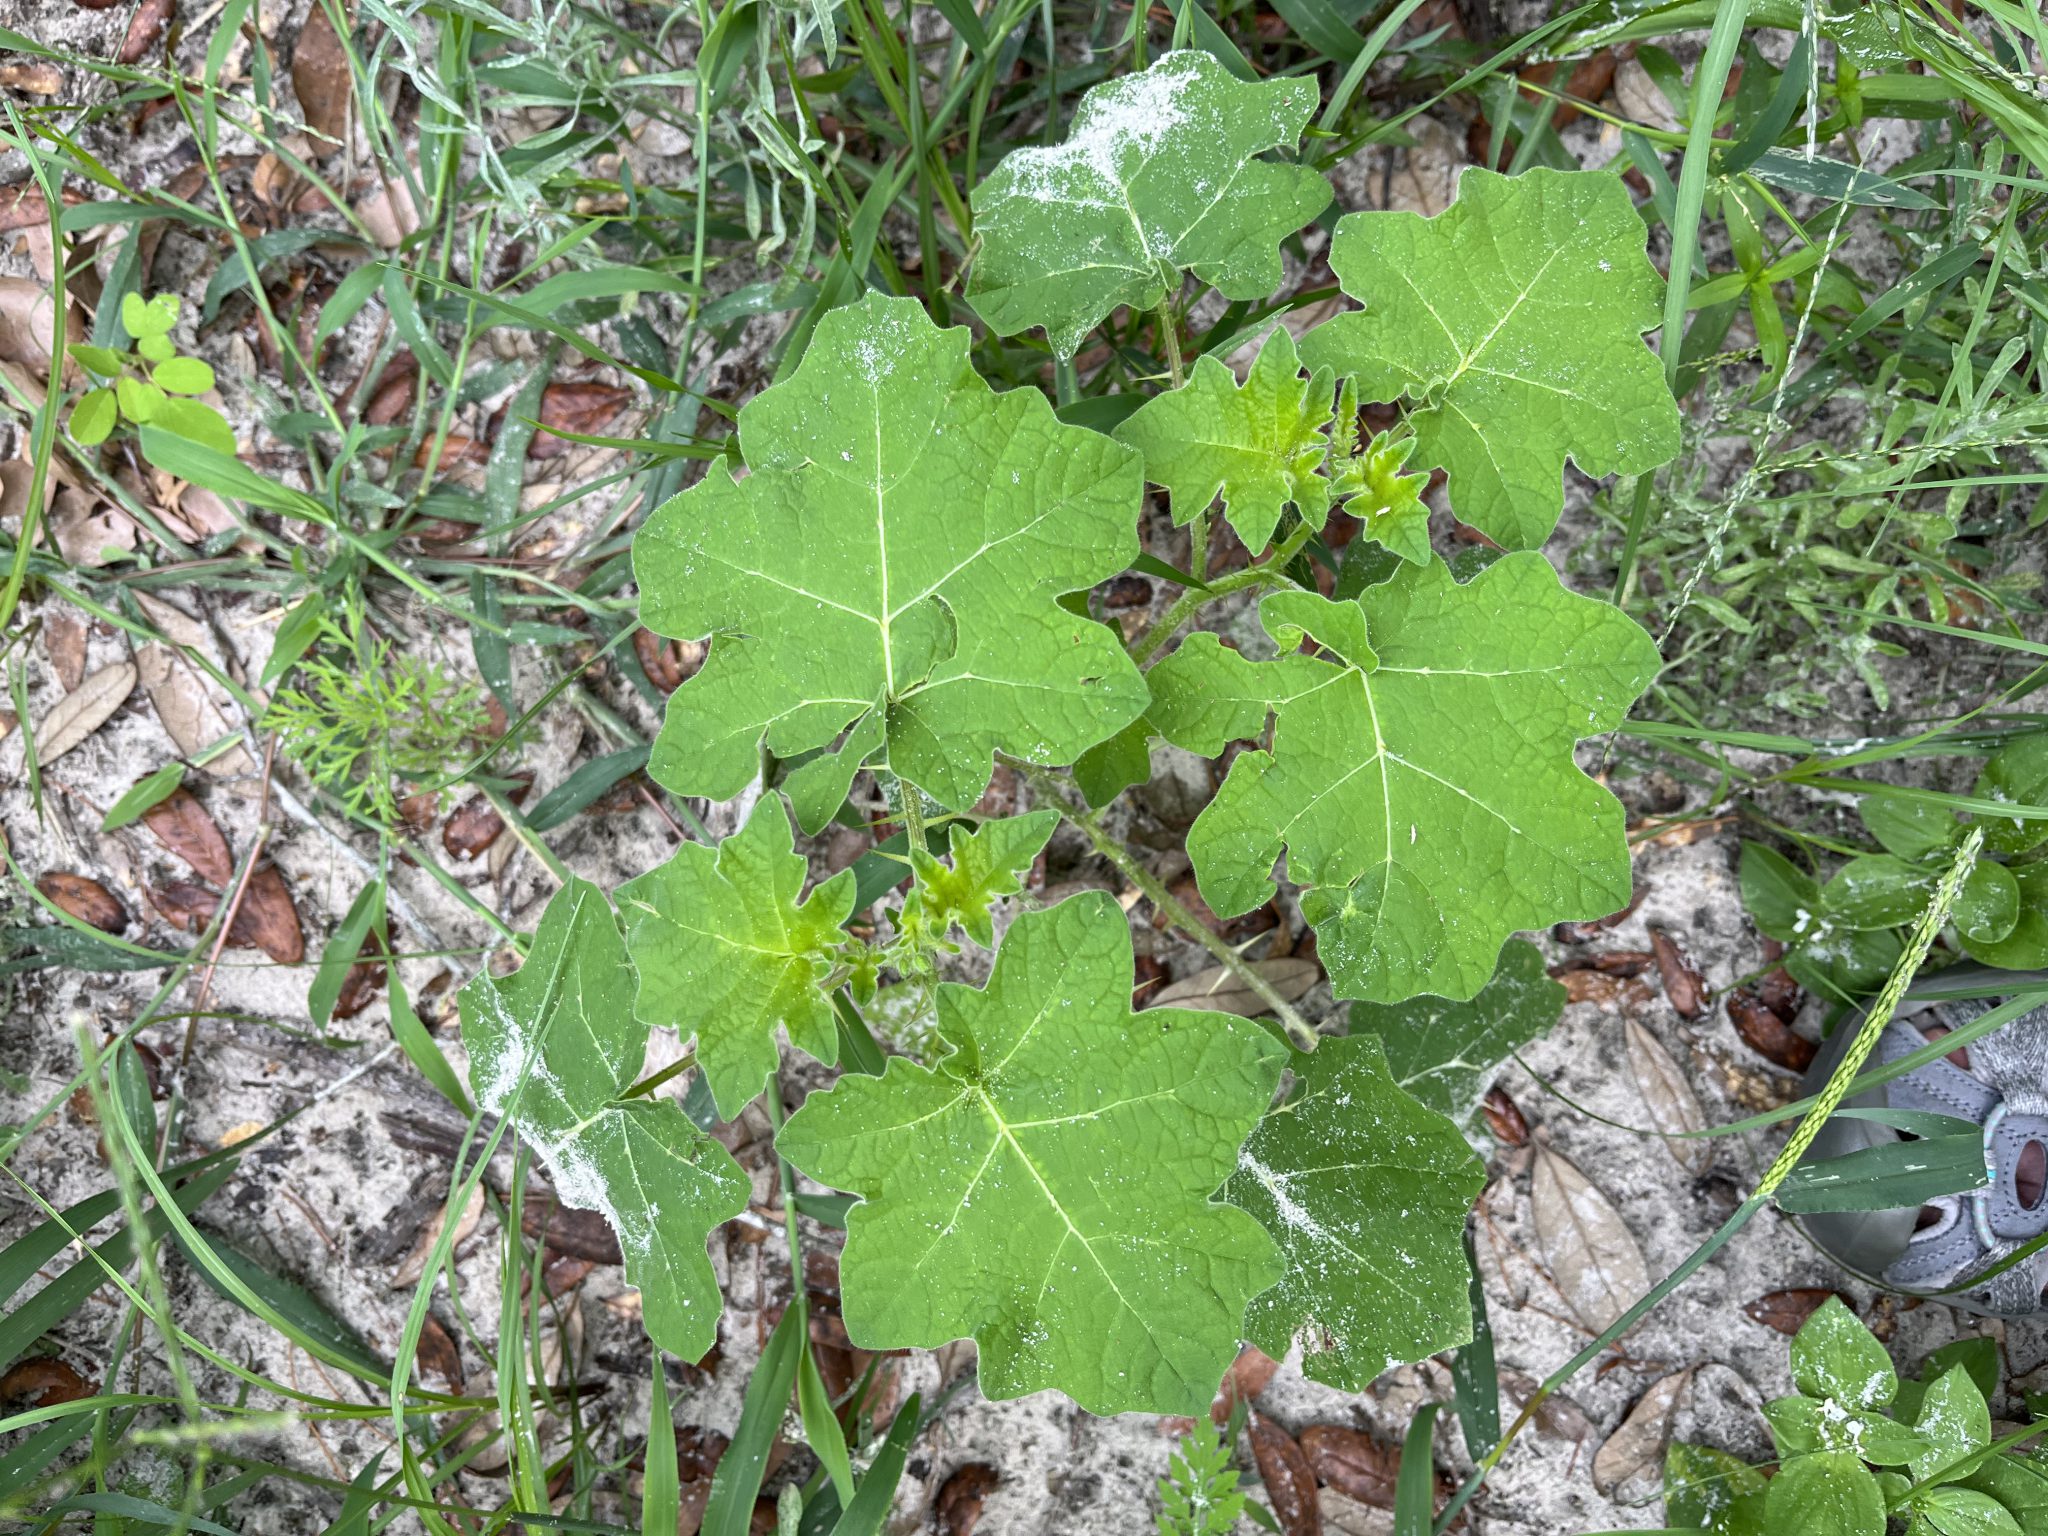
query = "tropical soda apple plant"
{"x": 1108, "y": 1201}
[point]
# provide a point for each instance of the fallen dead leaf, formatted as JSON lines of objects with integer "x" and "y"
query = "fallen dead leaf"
{"x": 1787, "y": 1311}
{"x": 1556, "y": 1415}
{"x": 1504, "y": 1118}
{"x": 33, "y": 77}
{"x": 23, "y": 206}
{"x": 1249, "y": 1375}
{"x": 475, "y": 825}
{"x": 43, "y": 1382}
{"x": 414, "y": 1264}
{"x": 88, "y": 531}
{"x": 439, "y": 1360}
{"x": 1353, "y": 1463}
{"x": 85, "y": 899}
{"x": 84, "y": 710}
{"x": 1593, "y": 1258}
{"x": 1639, "y": 99}
{"x": 359, "y": 987}
{"x": 183, "y": 826}
{"x": 388, "y": 214}
{"x": 565, "y": 1229}
{"x": 64, "y": 644}
{"x": 269, "y": 918}
{"x": 1217, "y": 990}
{"x": 586, "y": 406}
{"x": 1683, "y": 983}
{"x": 1427, "y": 179}
{"x": 27, "y": 318}
{"x": 957, "y": 1509}
{"x": 321, "y": 77}
{"x": 187, "y": 710}
{"x": 1344, "y": 1516}
{"x": 1290, "y": 1482}
{"x": 1764, "y": 1032}
{"x": 1591, "y": 986}
{"x": 1636, "y": 1448}
{"x": 146, "y": 30}
{"x": 1586, "y": 932}
{"x": 1668, "y": 1099}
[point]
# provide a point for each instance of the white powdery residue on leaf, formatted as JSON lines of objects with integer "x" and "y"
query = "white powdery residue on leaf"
{"x": 1135, "y": 111}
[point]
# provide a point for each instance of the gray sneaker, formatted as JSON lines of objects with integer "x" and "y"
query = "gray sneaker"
{"x": 1999, "y": 1082}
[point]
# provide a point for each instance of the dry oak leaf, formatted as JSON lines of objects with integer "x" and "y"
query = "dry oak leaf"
{"x": 320, "y": 74}
{"x": 268, "y": 920}
{"x": 146, "y": 30}
{"x": 84, "y": 898}
{"x": 1636, "y": 1449}
{"x": 1353, "y": 1463}
{"x": 187, "y": 710}
{"x": 27, "y": 318}
{"x": 585, "y": 406}
{"x": 181, "y": 824}
{"x": 1290, "y": 1482}
{"x": 1593, "y": 1258}
{"x": 64, "y": 643}
{"x": 1217, "y": 989}
{"x": 84, "y": 710}
{"x": 1668, "y": 1099}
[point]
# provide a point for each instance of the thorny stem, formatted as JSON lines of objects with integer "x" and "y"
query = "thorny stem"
{"x": 1838, "y": 1085}
{"x": 1300, "y": 1032}
{"x": 909, "y": 795}
{"x": 772, "y": 1099}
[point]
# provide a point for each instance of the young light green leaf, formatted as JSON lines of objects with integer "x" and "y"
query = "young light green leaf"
{"x": 892, "y": 563}
{"x": 1987, "y": 908}
{"x": 1374, "y": 490}
{"x": 1046, "y": 1186}
{"x": 1366, "y": 1192}
{"x": 986, "y": 862}
{"x": 1834, "y": 1355}
{"x": 94, "y": 417}
{"x": 1514, "y": 320}
{"x": 1967, "y": 1512}
{"x": 149, "y": 317}
{"x": 103, "y": 361}
{"x": 1446, "y": 1053}
{"x": 155, "y": 349}
{"x": 139, "y": 401}
{"x": 182, "y": 376}
{"x": 1260, "y": 444}
{"x": 553, "y": 1046}
{"x": 1427, "y": 797}
{"x": 725, "y": 950}
{"x": 196, "y": 422}
{"x": 1913, "y": 829}
{"x": 1159, "y": 174}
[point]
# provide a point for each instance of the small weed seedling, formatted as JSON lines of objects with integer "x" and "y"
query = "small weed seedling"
{"x": 150, "y": 386}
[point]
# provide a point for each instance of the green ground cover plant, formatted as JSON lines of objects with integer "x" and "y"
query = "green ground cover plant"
{"x": 1026, "y": 287}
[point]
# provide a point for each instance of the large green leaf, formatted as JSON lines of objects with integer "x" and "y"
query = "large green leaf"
{"x": 1366, "y": 1192}
{"x": 1422, "y": 781}
{"x": 726, "y": 950}
{"x": 2017, "y": 775}
{"x": 1260, "y": 444}
{"x": 1830, "y": 1493}
{"x": 1158, "y": 175}
{"x": 553, "y": 1046}
{"x": 1514, "y": 321}
{"x": 1446, "y": 1053}
{"x": 890, "y": 569}
{"x": 1045, "y": 1188}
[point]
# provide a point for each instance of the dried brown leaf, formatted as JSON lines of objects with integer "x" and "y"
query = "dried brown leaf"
{"x": 1668, "y": 1099}
{"x": 27, "y": 317}
{"x": 1588, "y": 986}
{"x": 1683, "y": 983}
{"x": 585, "y": 1234}
{"x": 146, "y": 30}
{"x": 1344, "y": 1516}
{"x": 89, "y": 532}
{"x": 1218, "y": 990}
{"x": 957, "y": 1509}
{"x": 475, "y": 825}
{"x": 320, "y": 75}
{"x": 64, "y": 644}
{"x": 1353, "y": 1463}
{"x": 43, "y": 1382}
{"x": 23, "y": 206}
{"x": 183, "y": 826}
{"x": 1249, "y": 1375}
{"x": 440, "y": 1362}
{"x": 1764, "y": 1032}
{"x": 1290, "y": 1482}
{"x": 267, "y": 918}
{"x": 82, "y": 711}
{"x": 84, "y": 898}
{"x": 1593, "y": 1258}
{"x": 584, "y": 406}
{"x": 1557, "y": 1415}
{"x": 359, "y": 987}
{"x": 1504, "y": 1118}
{"x": 187, "y": 710}
{"x": 1585, "y": 933}
{"x": 1787, "y": 1310}
{"x": 1636, "y": 1448}
{"x": 414, "y": 1264}
{"x": 33, "y": 77}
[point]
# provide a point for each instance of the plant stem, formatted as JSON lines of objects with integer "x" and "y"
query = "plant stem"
{"x": 1169, "y": 339}
{"x": 1300, "y": 1032}
{"x": 910, "y": 798}
{"x": 1194, "y": 598}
